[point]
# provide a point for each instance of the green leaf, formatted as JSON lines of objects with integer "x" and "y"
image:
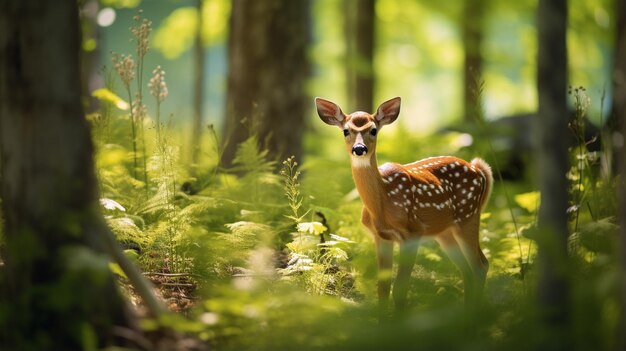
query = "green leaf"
{"x": 116, "y": 269}
{"x": 528, "y": 201}
{"x": 341, "y": 238}
{"x": 111, "y": 205}
{"x": 106, "y": 95}
{"x": 433, "y": 256}
{"x": 121, "y": 3}
{"x": 132, "y": 255}
{"x": 176, "y": 34}
{"x": 178, "y": 31}
{"x": 599, "y": 236}
{"x": 314, "y": 228}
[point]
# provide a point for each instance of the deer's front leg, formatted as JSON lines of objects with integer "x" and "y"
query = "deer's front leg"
{"x": 384, "y": 258}
{"x": 406, "y": 261}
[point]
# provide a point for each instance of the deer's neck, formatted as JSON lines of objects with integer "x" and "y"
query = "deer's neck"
{"x": 369, "y": 183}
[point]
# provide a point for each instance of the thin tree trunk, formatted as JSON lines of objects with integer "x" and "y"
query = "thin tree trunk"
{"x": 552, "y": 164}
{"x": 473, "y": 14}
{"x": 90, "y": 59}
{"x": 360, "y": 34}
{"x": 198, "y": 89}
{"x": 57, "y": 288}
{"x": 619, "y": 115}
{"x": 268, "y": 67}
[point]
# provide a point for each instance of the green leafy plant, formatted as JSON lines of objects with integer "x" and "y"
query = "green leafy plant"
{"x": 581, "y": 165}
{"x": 290, "y": 174}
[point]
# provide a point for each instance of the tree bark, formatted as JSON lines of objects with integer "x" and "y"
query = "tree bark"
{"x": 619, "y": 115}
{"x": 360, "y": 33}
{"x": 268, "y": 67}
{"x": 198, "y": 89}
{"x": 57, "y": 288}
{"x": 473, "y": 14}
{"x": 552, "y": 165}
{"x": 618, "y": 99}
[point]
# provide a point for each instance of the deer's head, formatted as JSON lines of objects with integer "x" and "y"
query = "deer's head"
{"x": 360, "y": 129}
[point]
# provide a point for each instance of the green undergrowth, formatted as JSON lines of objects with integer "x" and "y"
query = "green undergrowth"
{"x": 277, "y": 259}
{"x": 281, "y": 261}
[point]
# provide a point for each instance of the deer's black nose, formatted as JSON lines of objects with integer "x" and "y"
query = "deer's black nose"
{"x": 359, "y": 150}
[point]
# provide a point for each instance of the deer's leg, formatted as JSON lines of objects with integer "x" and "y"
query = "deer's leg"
{"x": 467, "y": 236}
{"x": 384, "y": 258}
{"x": 453, "y": 250}
{"x": 406, "y": 261}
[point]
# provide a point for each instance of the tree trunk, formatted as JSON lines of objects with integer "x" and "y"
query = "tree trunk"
{"x": 552, "y": 165}
{"x": 619, "y": 69}
{"x": 58, "y": 291}
{"x": 90, "y": 57}
{"x": 619, "y": 115}
{"x": 268, "y": 68}
{"x": 360, "y": 35}
{"x": 473, "y": 14}
{"x": 198, "y": 89}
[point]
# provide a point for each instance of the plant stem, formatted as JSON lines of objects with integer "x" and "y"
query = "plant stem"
{"x": 143, "y": 136}
{"x": 134, "y": 134}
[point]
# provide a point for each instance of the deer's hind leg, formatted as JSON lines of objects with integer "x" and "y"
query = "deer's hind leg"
{"x": 452, "y": 248}
{"x": 466, "y": 234}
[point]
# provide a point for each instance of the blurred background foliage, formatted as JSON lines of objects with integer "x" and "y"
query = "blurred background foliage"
{"x": 419, "y": 52}
{"x": 269, "y": 253}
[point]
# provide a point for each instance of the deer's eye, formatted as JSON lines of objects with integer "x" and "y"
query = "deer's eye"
{"x": 346, "y": 132}
{"x": 373, "y": 131}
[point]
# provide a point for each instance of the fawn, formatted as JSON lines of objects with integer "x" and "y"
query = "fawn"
{"x": 440, "y": 197}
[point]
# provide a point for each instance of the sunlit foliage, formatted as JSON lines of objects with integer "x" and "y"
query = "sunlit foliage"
{"x": 279, "y": 260}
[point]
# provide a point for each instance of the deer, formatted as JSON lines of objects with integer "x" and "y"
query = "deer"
{"x": 439, "y": 197}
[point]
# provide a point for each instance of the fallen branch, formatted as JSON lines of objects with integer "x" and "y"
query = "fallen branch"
{"x": 142, "y": 285}
{"x": 171, "y": 274}
{"x": 186, "y": 285}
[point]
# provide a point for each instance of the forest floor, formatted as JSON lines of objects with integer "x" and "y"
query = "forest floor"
{"x": 176, "y": 292}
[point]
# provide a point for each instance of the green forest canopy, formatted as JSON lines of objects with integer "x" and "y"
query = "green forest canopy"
{"x": 418, "y": 54}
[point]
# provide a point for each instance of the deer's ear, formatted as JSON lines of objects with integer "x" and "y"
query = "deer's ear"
{"x": 329, "y": 112}
{"x": 388, "y": 111}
